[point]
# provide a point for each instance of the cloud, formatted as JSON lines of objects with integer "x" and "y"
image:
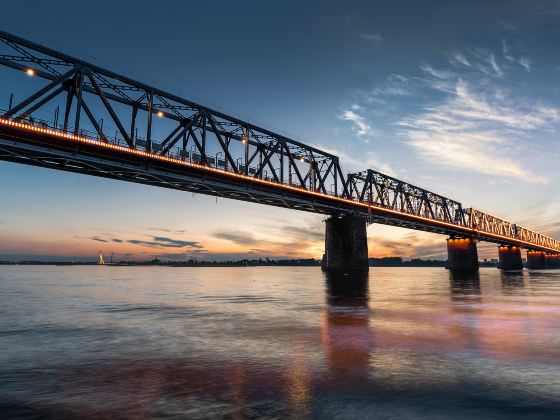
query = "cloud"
{"x": 368, "y": 161}
{"x": 411, "y": 245}
{"x": 117, "y": 240}
{"x": 506, "y": 25}
{"x": 525, "y": 63}
{"x": 360, "y": 126}
{"x": 439, "y": 74}
{"x": 165, "y": 242}
{"x": 375, "y": 38}
{"x": 294, "y": 241}
{"x": 159, "y": 229}
{"x": 476, "y": 132}
{"x": 457, "y": 57}
{"x": 299, "y": 232}
{"x": 96, "y": 238}
{"x": 392, "y": 85}
{"x": 522, "y": 60}
{"x": 494, "y": 64}
{"x": 240, "y": 238}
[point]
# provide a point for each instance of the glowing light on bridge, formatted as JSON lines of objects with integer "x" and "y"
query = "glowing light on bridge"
{"x": 30, "y": 72}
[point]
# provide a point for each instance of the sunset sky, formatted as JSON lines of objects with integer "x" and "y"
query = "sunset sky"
{"x": 462, "y": 99}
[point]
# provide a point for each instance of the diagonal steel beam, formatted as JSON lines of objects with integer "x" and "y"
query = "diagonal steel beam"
{"x": 39, "y": 104}
{"x": 110, "y": 109}
{"x": 223, "y": 145}
{"x": 186, "y": 129}
{"x": 94, "y": 122}
{"x": 38, "y": 94}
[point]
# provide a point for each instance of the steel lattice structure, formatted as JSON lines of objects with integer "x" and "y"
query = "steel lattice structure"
{"x": 161, "y": 139}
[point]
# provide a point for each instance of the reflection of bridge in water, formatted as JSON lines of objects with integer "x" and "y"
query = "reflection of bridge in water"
{"x": 157, "y": 138}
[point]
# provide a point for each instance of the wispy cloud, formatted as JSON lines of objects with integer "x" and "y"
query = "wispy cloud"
{"x": 237, "y": 237}
{"x": 98, "y": 239}
{"x": 473, "y": 131}
{"x": 360, "y": 126}
{"x": 375, "y": 38}
{"x": 393, "y": 85}
{"x": 410, "y": 245}
{"x": 497, "y": 70}
{"x": 158, "y": 229}
{"x": 523, "y": 61}
{"x": 459, "y": 58}
{"x": 369, "y": 160}
{"x": 165, "y": 242}
{"x": 293, "y": 241}
{"x": 506, "y": 25}
{"x": 440, "y": 74}
{"x": 152, "y": 242}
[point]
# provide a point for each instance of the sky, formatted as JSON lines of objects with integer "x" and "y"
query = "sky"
{"x": 461, "y": 98}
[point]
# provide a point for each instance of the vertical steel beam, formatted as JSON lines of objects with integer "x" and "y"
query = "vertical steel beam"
{"x": 203, "y": 141}
{"x": 247, "y": 151}
{"x": 149, "y": 129}
{"x": 69, "y": 98}
{"x": 281, "y": 166}
{"x": 133, "y": 124}
{"x": 185, "y": 141}
{"x": 80, "y": 88}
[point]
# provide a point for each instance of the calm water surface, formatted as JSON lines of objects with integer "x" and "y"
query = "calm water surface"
{"x": 144, "y": 342}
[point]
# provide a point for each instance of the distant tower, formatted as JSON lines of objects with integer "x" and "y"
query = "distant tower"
{"x": 111, "y": 257}
{"x": 101, "y": 261}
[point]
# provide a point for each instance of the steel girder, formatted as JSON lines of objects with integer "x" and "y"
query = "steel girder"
{"x": 385, "y": 191}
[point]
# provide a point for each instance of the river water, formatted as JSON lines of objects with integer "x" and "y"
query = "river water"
{"x": 145, "y": 342}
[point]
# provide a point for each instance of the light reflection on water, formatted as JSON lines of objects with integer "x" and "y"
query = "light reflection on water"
{"x": 139, "y": 342}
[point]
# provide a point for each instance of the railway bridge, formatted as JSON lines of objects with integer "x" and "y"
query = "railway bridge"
{"x": 157, "y": 138}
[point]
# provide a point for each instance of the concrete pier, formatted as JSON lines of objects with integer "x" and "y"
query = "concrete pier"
{"x": 462, "y": 254}
{"x": 536, "y": 260}
{"x": 552, "y": 260}
{"x": 510, "y": 258}
{"x": 346, "y": 247}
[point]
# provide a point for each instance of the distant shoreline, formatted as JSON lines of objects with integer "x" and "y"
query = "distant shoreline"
{"x": 308, "y": 262}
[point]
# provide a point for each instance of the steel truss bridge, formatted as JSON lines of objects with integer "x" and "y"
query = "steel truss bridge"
{"x": 157, "y": 138}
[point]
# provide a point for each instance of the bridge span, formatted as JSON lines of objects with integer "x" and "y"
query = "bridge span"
{"x": 157, "y": 138}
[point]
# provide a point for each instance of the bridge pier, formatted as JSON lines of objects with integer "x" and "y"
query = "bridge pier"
{"x": 552, "y": 260}
{"x": 346, "y": 248}
{"x": 510, "y": 258}
{"x": 536, "y": 260}
{"x": 462, "y": 254}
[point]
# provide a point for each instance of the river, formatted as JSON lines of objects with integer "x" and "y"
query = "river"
{"x": 151, "y": 342}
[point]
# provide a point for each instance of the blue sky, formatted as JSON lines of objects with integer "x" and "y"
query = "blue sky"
{"x": 459, "y": 98}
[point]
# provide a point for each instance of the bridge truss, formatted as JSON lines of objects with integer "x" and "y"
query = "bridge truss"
{"x": 155, "y": 137}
